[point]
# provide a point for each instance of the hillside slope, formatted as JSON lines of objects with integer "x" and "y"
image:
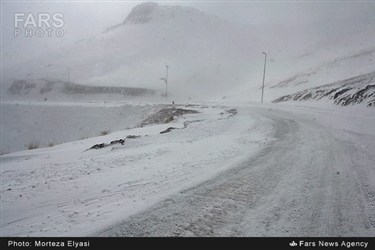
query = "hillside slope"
{"x": 356, "y": 62}
{"x": 355, "y": 90}
{"x": 205, "y": 54}
{"x": 209, "y": 58}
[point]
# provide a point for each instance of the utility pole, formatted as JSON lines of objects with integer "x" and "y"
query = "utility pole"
{"x": 166, "y": 82}
{"x": 264, "y": 73}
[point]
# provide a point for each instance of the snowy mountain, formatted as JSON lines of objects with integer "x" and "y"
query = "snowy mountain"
{"x": 355, "y": 90}
{"x": 205, "y": 54}
{"x": 208, "y": 58}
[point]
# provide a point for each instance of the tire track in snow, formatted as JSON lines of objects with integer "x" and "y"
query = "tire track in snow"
{"x": 300, "y": 185}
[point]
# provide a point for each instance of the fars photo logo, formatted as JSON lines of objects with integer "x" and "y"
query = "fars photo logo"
{"x": 38, "y": 25}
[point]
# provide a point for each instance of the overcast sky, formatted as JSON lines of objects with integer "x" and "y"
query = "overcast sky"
{"x": 321, "y": 20}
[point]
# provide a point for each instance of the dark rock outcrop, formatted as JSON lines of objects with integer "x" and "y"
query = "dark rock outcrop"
{"x": 166, "y": 115}
{"x": 355, "y": 90}
{"x": 167, "y": 130}
{"x": 119, "y": 141}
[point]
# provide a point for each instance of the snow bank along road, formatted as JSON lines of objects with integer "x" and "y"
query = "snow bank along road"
{"x": 268, "y": 171}
{"x": 67, "y": 190}
{"x": 316, "y": 178}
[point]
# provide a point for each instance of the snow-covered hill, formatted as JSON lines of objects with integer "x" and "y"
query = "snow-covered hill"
{"x": 342, "y": 66}
{"x": 355, "y": 90}
{"x": 205, "y": 54}
{"x": 353, "y": 63}
{"x": 208, "y": 58}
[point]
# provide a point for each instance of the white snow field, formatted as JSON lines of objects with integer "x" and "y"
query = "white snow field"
{"x": 266, "y": 171}
{"x": 67, "y": 191}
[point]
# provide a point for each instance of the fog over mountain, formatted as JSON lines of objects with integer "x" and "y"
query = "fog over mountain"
{"x": 212, "y": 49}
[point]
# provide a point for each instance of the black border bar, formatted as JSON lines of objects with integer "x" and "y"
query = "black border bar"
{"x": 187, "y": 243}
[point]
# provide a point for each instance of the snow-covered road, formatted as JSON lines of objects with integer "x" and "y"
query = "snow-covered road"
{"x": 317, "y": 178}
{"x": 270, "y": 170}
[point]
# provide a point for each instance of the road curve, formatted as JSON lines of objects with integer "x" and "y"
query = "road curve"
{"x": 312, "y": 180}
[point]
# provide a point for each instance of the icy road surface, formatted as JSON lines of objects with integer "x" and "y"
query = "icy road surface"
{"x": 271, "y": 170}
{"x": 317, "y": 178}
